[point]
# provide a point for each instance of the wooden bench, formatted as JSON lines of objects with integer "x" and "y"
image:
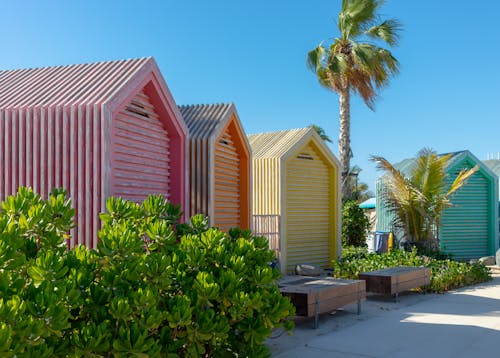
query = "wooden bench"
{"x": 314, "y": 295}
{"x": 392, "y": 281}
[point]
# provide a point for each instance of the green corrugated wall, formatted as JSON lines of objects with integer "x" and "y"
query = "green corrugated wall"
{"x": 466, "y": 226}
{"x": 384, "y": 217}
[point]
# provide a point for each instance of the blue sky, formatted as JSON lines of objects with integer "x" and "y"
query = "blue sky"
{"x": 253, "y": 53}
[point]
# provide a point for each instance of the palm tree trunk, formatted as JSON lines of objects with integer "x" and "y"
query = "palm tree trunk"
{"x": 345, "y": 140}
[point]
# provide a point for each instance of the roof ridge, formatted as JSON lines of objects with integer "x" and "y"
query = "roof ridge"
{"x": 280, "y": 131}
{"x": 75, "y": 64}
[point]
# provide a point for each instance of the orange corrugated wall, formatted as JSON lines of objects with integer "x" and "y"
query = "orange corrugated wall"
{"x": 231, "y": 180}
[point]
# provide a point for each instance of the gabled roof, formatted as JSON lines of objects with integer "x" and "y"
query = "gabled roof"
{"x": 206, "y": 120}
{"x": 92, "y": 83}
{"x": 276, "y": 144}
{"x": 283, "y": 143}
{"x": 406, "y": 165}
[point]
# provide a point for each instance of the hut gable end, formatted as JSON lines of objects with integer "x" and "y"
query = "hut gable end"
{"x": 219, "y": 162}
{"x": 141, "y": 151}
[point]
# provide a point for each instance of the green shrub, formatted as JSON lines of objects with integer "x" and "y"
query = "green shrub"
{"x": 355, "y": 224}
{"x": 446, "y": 274}
{"x": 147, "y": 290}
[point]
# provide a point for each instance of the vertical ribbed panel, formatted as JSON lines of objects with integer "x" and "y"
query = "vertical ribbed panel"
{"x": 266, "y": 189}
{"x": 309, "y": 217}
{"x": 36, "y": 151}
{"x": 385, "y": 218}
{"x": 199, "y": 179}
{"x": 227, "y": 183}
{"x": 140, "y": 151}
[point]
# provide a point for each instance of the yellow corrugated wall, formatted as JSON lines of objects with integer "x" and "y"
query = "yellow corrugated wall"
{"x": 266, "y": 186}
{"x": 310, "y": 197}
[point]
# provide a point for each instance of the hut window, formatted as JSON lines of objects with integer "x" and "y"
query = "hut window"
{"x": 137, "y": 108}
{"x": 305, "y": 156}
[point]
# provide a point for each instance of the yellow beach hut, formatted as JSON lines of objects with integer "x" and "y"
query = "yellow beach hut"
{"x": 296, "y": 198}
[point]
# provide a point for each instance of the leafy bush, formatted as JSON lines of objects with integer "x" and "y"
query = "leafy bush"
{"x": 148, "y": 290}
{"x": 355, "y": 224}
{"x": 446, "y": 274}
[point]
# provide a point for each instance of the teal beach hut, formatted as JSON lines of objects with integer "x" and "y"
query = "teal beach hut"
{"x": 469, "y": 228}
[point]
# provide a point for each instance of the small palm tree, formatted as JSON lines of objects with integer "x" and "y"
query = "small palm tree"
{"x": 419, "y": 199}
{"x": 352, "y": 63}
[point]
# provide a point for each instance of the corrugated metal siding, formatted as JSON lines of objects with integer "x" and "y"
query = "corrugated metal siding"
{"x": 308, "y": 211}
{"x": 465, "y": 226}
{"x": 227, "y": 183}
{"x": 140, "y": 151}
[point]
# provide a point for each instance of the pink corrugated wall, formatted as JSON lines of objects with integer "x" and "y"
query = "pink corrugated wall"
{"x": 36, "y": 151}
{"x": 140, "y": 151}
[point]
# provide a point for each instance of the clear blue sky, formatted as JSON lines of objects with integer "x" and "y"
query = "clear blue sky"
{"x": 253, "y": 53}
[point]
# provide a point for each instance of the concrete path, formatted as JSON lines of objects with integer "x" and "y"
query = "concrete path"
{"x": 461, "y": 323}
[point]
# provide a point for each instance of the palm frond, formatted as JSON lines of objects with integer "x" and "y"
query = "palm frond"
{"x": 315, "y": 57}
{"x": 354, "y": 16}
{"x": 388, "y": 31}
{"x": 461, "y": 179}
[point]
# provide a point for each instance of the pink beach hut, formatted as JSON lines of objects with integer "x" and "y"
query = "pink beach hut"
{"x": 98, "y": 130}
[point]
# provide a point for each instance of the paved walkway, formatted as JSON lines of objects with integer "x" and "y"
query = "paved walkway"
{"x": 461, "y": 323}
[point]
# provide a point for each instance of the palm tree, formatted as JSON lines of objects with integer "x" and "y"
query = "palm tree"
{"x": 419, "y": 199}
{"x": 351, "y": 63}
{"x": 321, "y": 132}
{"x": 358, "y": 190}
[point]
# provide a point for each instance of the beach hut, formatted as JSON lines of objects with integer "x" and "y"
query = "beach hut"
{"x": 219, "y": 164}
{"x": 97, "y": 130}
{"x": 296, "y": 197}
{"x": 469, "y": 227}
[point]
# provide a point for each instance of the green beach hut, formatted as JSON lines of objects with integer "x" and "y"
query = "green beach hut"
{"x": 469, "y": 227}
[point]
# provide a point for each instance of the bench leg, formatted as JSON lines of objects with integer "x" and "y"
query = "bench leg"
{"x": 359, "y": 302}
{"x": 316, "y": 313}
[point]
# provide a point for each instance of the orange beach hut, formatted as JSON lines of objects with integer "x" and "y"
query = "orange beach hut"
{"x": 219, "y": 165}
{"x": 98, "y": 130}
